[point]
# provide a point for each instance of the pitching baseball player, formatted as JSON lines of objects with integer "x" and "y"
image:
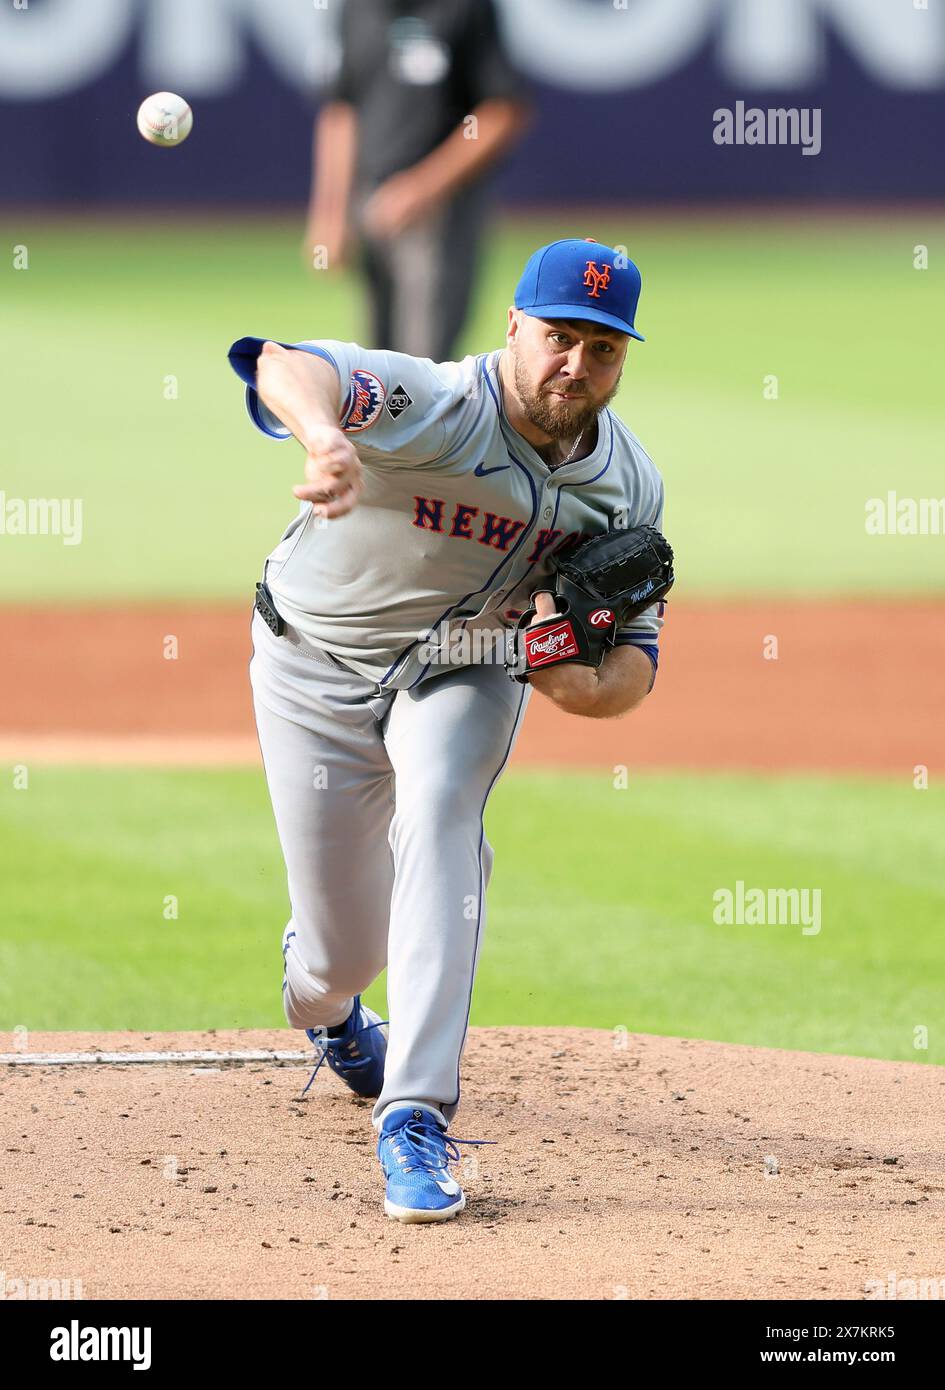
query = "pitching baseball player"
{"x": 440, "y": 568}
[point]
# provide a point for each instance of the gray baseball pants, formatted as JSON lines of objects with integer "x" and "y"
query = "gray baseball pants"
{"x": 379, "y": 802}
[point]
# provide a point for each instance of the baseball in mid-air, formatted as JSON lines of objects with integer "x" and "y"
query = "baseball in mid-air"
{"x": 165, "y": 119}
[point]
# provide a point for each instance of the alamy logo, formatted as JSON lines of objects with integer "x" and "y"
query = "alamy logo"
{"x": 42, "y": 516}
{"x": 39, "y": 1289}
{"x": 896, "y": 1287}
{"x": 893, "y": 515}
{"x": 774, "y": 907}
{"x": 780, "y": 125}
{"x": 453, "y": 644}
{"x": 76, "y": 1343}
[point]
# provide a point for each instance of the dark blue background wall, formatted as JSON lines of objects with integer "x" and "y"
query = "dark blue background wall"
{"x": 625, "y": 96}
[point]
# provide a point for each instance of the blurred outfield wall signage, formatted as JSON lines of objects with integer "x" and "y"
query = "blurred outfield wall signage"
{"x": 757, "y": 43}
{"x": 55, "y": 47}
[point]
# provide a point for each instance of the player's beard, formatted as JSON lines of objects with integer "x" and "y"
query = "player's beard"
{"x": 549, "y": 413}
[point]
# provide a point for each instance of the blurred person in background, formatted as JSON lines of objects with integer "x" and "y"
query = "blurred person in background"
{"x": 399, "y": 166}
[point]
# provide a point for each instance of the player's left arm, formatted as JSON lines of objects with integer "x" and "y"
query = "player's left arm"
{"x": 618, "y": 685}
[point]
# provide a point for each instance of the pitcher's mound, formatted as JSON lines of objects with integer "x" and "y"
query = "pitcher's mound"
{"x": 624, "y": 1166}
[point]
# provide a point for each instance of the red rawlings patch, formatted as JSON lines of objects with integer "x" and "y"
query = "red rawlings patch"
{"x": 601, "y": 617}
{"x": 544, "y": 645}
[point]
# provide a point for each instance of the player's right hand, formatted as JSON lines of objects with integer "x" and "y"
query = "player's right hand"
{"x": 333, "y": 477}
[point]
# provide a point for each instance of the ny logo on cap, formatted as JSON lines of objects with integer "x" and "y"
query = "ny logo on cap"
{"x": 596, "y": 279}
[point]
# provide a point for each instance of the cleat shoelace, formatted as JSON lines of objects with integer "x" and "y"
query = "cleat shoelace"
{"x": 426, "y": 1144}
{"x": 337, "y": 1048}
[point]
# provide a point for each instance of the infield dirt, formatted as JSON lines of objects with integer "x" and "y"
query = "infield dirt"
{"x": 770, "y": 685}
{"x": 624, "y": 1166}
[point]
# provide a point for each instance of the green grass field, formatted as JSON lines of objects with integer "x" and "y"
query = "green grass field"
{"x": 181, "y": 497}
{"x": 614, "y": 929}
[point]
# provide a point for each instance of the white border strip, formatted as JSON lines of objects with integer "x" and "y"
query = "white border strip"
{"x": 60, "y": 1059}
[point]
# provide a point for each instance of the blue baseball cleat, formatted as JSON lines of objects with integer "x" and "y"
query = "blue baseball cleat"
{"x": 358, "y": 1054}
{"x": 415, "y": 1152}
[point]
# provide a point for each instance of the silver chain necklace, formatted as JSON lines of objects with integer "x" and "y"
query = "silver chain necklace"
{"x": 573, "y": 450}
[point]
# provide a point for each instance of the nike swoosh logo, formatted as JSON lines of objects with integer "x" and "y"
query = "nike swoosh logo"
{"x": 449, "y": 1188}
{"x": 481, "y": 471}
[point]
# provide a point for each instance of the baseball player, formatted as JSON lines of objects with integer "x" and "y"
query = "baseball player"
{"x": 430, "y": 581}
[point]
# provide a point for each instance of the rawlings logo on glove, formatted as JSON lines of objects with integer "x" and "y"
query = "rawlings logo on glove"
{"x": 599, "y": 587}
{"x": 544, "y": 644}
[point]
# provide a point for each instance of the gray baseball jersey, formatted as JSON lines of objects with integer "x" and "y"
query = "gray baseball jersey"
{"x": 380, "y": 775}
{"x": 459, "y": 519}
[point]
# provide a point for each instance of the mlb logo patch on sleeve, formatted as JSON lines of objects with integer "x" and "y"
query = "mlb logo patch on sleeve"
{"x": 398, "y": 401}
{"x": 365, "y": 401}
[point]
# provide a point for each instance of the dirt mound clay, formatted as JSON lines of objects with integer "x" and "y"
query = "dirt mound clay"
{"x": 624, "y": 1166}
{"x": 771, "y": 684}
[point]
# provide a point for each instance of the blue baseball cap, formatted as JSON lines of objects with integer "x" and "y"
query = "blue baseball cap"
{"x": 576, "y": 279}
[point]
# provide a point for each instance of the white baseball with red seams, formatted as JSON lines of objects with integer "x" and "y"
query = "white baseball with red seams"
{"x": 164, "y": 118}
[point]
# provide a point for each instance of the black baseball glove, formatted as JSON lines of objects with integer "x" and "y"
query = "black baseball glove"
{"x": 599, "y": 587}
